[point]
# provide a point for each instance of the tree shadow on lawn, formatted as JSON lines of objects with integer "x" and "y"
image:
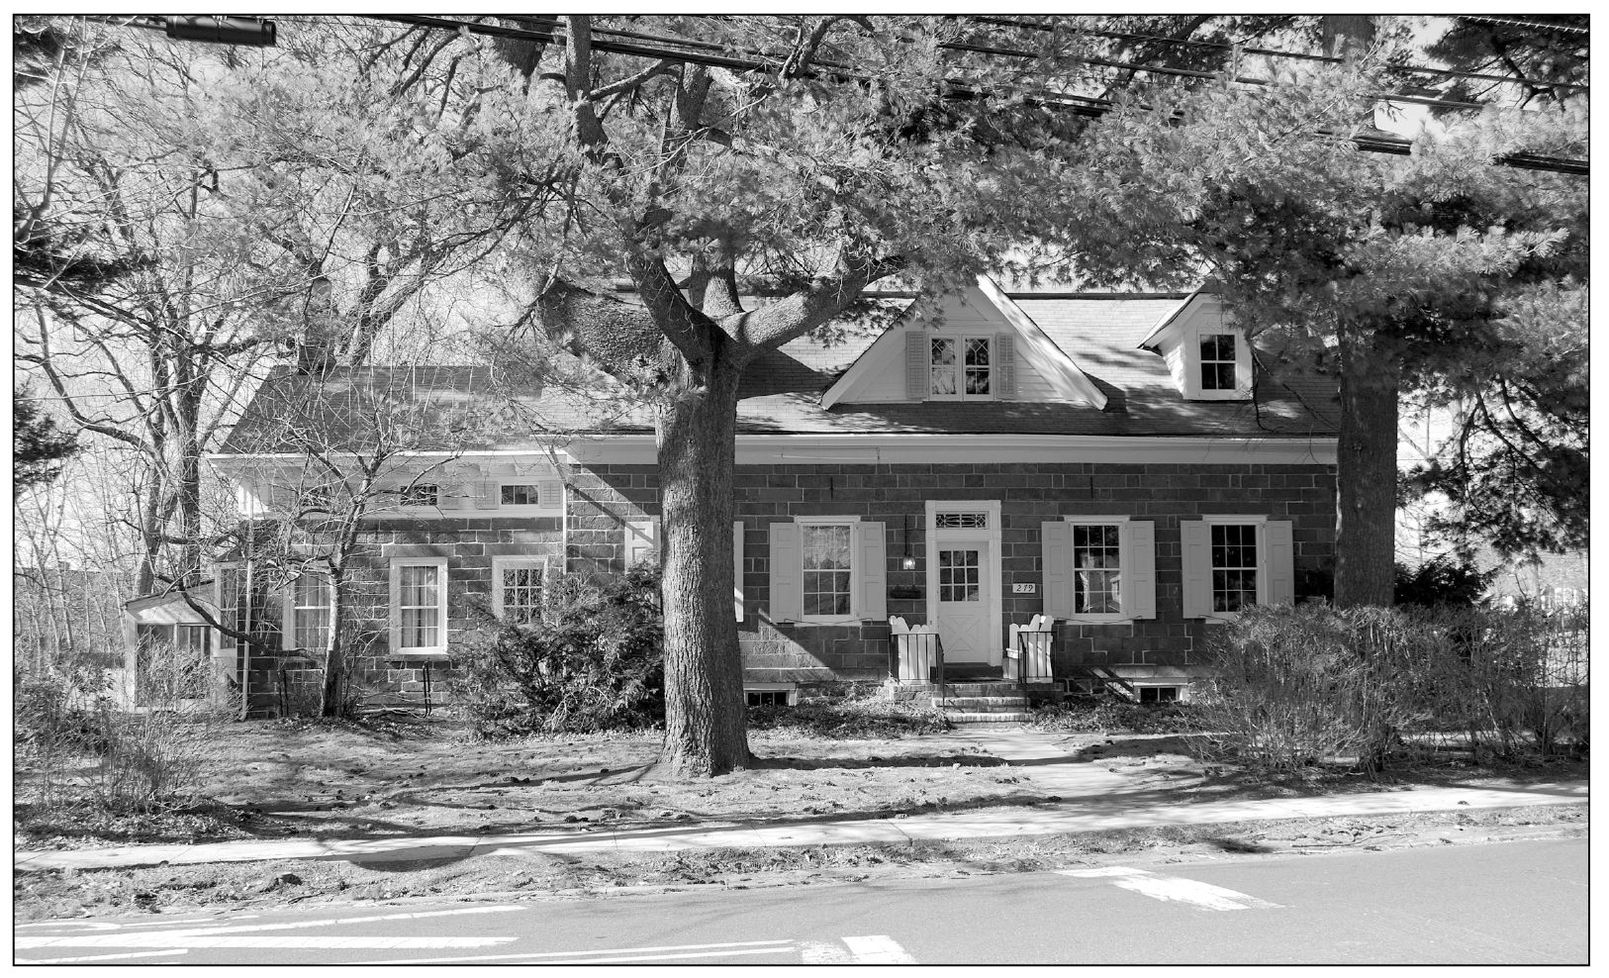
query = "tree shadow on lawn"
{"x": 783, "y": 762}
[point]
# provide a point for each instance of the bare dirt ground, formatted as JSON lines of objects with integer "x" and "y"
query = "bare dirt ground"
{"x": 407, "y": 776}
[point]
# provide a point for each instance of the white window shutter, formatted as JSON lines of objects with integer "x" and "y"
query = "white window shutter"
{"x": 1005, "y": 366}
{"x": 737, "y": 569}
{"x": 550, "y": 494}
{"x": 786, "y": 559}
{"x": 1139, "y": 568}
{"x": 394, "y": 614}
{"x": 287, "y": 617}
{"x": 1195, "y": 556}
{"x": 1277, "y": 582}
{"x": 451, "y": 496}
{"x": 642, "y": 536}
{"x": 871, "y": 553}
{"x": 917, "y": 356}
{"x": 487, "y": 495}
{"x": 1056, "y": 549}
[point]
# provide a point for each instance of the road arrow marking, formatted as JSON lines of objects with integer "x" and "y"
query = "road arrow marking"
{"x": 1173, "y": 889}
{"x": 877, "y": 949}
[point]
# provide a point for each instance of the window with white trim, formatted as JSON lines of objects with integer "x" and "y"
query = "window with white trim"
{"x": 419, "y": 606}
{"x": 1234, "y": 566}
{"x": 1232, "y": 562}
{"x": 517, "y": 588}
{"x": 1218, "y": 359}
{"x": 960, "y": 367}
{"x": 1100, "y": 568}
{"x": 307, "y": 612}
{"x": 827, "y": 560}
{"x": 518, "y": 494}
{"x": 1097, "y": 569}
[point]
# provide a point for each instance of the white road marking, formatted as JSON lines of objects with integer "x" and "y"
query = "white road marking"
{"x": 193, "y": 940}
{"x": 102, "y": 957}
{"x": 1174, "y": 889}
{"x": 735, "y": 947}
{"x": 877, "y": 949}
{"x": 250, "y": 935}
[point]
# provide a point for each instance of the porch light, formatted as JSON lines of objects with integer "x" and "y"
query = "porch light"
{"x": 907, "y": 562}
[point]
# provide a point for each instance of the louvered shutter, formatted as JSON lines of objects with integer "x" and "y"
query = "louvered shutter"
{"x": 1278, "y": 565}
{"x": 786, "y": 558}
{"x": 871, "y": 552}
{"x": 451, "y": 496}
{"x": 550, "y": 494}
{"x": 1056, "y": 549}
{"x": 737, "y": 569}
{"x": 917, "y": 355}
{"x": 1005, "y": 370}
{"x": 1195, "y": 557}
{"x": 487, "y": 495}
{"x": 1139, "y": 569}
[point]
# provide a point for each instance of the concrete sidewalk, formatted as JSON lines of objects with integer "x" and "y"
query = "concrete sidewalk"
{"x": 1092, "y": 798}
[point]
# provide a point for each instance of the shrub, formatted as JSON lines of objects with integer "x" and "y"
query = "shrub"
{"x": 850, "y": 717}
{"x": 594, "y": 661}
{"x": 1297, "y": 686}
{"x": 80, "y": 744}
{"x": 1440, "y": 582}
{"x": 1090, "y": 715}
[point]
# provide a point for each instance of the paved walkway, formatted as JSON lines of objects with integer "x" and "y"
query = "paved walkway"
{"x": 1091, "y": 797}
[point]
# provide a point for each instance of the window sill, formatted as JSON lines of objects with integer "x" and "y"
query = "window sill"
{"x": 835, "y": 620}
{"x": 416, "y": 655}
{"x": 1096, "y": 619}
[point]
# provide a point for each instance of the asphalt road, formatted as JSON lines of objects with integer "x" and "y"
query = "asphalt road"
{"x": 1515, "y": 902}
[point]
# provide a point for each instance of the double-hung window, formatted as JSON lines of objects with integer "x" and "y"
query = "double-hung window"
{"x": 828, "y": 565}
{"x": 1218, "y": 358}
{"x": 1234, "y": 566}
{"x": 1233, "y": 562}
{"x": 960, "y": 367}
{"x": 307, "y": 612}
{"x": 419, "y": 606}
{"x": 518, "y": 494}
{"x": 1099, "y": 568}
{"x": 517, "y": 588}
{"x": 827, "y": 570}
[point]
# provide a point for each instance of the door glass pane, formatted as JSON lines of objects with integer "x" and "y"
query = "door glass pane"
{"x": 959, "y": 575}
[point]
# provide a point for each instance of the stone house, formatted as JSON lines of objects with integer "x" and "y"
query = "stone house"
{"x": 1125, "y": 464}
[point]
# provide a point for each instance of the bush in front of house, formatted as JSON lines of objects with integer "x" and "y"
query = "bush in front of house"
{"x": 856, "y": 714}
{"x": 77, "y": 746}
{"x": 1088, "y": 714}
{"x": 1297, "y": 687}
{"x": 593, "y": 661}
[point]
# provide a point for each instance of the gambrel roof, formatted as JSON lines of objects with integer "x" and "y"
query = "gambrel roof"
{"x": 1098, "y": 335}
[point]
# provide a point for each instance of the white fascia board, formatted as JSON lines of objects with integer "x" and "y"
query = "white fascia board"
{"x": 1053, "y": 363}
{"x": 945, "y": 449}
{"x": 1154, "y": 338}
{"x": 866, "y": 364}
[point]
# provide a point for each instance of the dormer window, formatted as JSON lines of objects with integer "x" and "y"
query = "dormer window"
{"x": 1218, "y": 362}
{"x": 960, "y": 367}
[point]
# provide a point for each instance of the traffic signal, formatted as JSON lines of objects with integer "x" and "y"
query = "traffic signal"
{"x": 250, "y": 31}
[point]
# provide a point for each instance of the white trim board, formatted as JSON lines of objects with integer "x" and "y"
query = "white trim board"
{"x": 938, "y": 449}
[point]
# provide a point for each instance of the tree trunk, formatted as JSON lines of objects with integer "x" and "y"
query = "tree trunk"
{"x": 706, "y": 722}
{"x": 1366, "y": 479}
{"x": 330, "y": 702}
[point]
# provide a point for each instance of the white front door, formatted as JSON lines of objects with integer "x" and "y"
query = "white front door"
{"x": 963, "y": 579}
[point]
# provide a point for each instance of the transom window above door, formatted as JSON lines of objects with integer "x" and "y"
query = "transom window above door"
{"x": 961, "y": 521}
{"x": 960, "y": 367}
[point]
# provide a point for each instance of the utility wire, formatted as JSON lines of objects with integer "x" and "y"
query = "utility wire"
{"x": 1271, "y": 52}
{"x": 1518, "y": 22}
{"x": 1081, "y": 105}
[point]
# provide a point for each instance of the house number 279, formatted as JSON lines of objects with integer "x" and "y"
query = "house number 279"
{"x": 1024, "y": 588}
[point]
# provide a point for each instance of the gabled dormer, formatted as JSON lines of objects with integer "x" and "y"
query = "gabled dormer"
{"x": 1209, "y": 357}
{"x": 975, "y": 345}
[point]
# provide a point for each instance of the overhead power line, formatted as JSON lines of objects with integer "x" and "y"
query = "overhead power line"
{"x": 1274, "y": 53}
{"x": 1080, "y": 105}
{"x": 1518, "y": 22}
